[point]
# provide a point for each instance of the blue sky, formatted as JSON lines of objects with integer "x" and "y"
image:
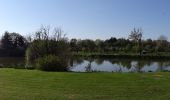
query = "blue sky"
{"x": 87, "y": 18}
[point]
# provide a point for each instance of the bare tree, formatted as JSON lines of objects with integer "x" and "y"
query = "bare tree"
{"x": 43, "y": 33}
{"x": 58, "y": 34}
{"x": 136, "y": 35}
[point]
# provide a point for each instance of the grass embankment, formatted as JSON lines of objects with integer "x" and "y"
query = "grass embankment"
{"x": 37, "y": 85}
{"x": 160, "y": 55}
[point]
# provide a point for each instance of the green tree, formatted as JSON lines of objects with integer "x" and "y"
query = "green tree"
{"x": 162, "y": 44}
{"x": 99, "y": 45}
{"x": 46, "y": 44}
{"x": 6, "y": 41}
{"x": 13, "y": 41}
{"x": 18, "y": 41}
{"x": 73, "y": 45}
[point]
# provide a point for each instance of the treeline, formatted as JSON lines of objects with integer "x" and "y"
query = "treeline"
{"x": 14, "y": 44}
{"x": 118, "y": 45}
{"x": 133, "y": 44}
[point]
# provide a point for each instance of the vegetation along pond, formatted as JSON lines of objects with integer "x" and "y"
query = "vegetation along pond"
{"x": 100, "y": 64}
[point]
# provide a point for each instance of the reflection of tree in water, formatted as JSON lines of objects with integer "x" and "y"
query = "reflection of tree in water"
{"x": 71, "y": 62}
{"x": 113, "y": 61}
{"x": 99, "y": 61}
{"x": 162, "y": 64}
{"x": 126, "y": 63}
{"x": 79, "y": 60}
{"x": 88, "y": 67}
{"x": 133, "y": 69}
{"x": 122, "y": 63}
{"x": 75, "y": 61}
{"x": 140, "y": 64}
{"x": 168, "y": 63}
{"x": 148, "y": 62}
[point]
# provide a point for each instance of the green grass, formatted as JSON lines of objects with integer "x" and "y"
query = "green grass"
{"x": 37, "y": 85}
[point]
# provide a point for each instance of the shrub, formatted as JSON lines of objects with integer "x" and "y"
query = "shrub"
{"x": 48, "y": 51}
{"x": 35, "y": 50}
{"x": 51, "y": 63}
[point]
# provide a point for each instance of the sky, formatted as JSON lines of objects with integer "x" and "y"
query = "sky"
{"x": 82, "y": 19}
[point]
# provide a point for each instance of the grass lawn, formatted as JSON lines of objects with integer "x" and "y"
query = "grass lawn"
{"x": 18, "y": 84}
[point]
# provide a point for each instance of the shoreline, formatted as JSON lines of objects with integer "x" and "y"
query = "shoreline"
{"x": 136, "y": 56}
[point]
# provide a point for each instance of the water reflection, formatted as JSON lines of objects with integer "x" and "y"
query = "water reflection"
{"x": 12, "y": 62}
{"x": 101, "y": 64}
{"x": 118, "y": 65}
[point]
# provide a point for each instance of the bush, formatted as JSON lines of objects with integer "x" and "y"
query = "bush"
{"x": 35, "y": 50}
{"x": 48, "y": 51}
{"x": 51, "y": 63}
{"x": 40, "y": 48}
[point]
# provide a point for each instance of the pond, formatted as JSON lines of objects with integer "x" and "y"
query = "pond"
{"x": 118, "y": 65}
{"x": 101, "y": 64}
{"x": 12, "y": 62}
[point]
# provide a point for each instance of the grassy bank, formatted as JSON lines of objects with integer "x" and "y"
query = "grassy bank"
{"x": 160, "y": 55}
{"x": 37, "y": 85}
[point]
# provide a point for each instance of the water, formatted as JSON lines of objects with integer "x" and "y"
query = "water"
{"x": 14, "y": 62}
{"x": 119, "y": 65}
{"x": 101, "y": 64}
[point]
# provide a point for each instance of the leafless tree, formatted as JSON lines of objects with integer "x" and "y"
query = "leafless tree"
{"x": 136, "y": 35}
{"x": 43, "y": 33}
{"x": 58, "y": 34}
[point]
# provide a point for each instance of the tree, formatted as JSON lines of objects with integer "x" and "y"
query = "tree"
{"x": 13, "y": 44}
{"x": 99, "y": 45}
{"x": 6, "y": 41}
{"x": 89, "y": 45}
{"x": 111, "y": 43}
{"x": 162, "y": 44}
{"x": 18, "y": 41}
{"x": 13, "y": 41}
{"x": 73, "y": 45}
{"x": 46, "y": 44}
{"x": 162, "y": 38}
{"x": 136, "y": 35}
